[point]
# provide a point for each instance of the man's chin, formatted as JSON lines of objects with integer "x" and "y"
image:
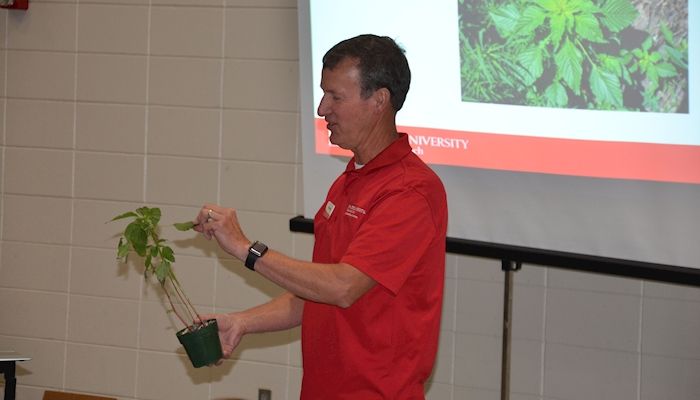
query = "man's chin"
{"x": 333, "y": 138}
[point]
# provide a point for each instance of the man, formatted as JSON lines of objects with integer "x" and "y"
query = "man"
{"x": 370, "y": 302}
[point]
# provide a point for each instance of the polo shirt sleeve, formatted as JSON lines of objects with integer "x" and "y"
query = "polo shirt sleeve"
{"x": 393, "y": 239}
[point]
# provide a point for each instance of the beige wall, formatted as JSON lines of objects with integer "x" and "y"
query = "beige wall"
{"x": 107, "y": 105}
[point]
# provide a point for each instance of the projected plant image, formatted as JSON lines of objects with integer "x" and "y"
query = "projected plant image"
{"x": 588, "y": 54}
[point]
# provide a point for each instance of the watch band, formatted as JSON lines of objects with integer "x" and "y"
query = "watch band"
{"x": 255, "y": 251}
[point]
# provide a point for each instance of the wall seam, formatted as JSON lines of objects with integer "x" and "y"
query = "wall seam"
{"x": 4, "y": 132}
{"x": 147, "y": 108}
{"x": 74, "y": 100}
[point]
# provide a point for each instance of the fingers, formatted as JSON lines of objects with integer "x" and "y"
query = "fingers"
{"x": 208, "y": 213}
{"x": 213, "y": 213}
{"x": 228, "y": 343}
{"x": 226, "y": 351}
{"x": 205, "y": 317}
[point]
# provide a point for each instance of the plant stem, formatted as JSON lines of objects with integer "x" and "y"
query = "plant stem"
{"x": 172, "y": 305}
{"x": 191, "y": 310}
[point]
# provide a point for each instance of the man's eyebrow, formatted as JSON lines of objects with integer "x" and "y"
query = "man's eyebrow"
{"x": 331, "y": 91}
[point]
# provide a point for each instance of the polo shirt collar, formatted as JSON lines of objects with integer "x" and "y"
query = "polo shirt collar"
{"x": 397, "y": 150}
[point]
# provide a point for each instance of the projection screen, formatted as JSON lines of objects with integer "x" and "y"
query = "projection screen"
{"x": 569, "y": 130}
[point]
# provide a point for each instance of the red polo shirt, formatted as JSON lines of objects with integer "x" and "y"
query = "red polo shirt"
{"x": 389, "y": 220}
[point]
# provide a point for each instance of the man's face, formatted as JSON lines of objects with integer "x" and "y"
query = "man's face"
{"x": 349, "y": 116}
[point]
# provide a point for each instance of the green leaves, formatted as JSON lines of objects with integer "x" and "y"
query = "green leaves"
{"x": 666, "y": 70}
{"x": 531, "y": 59}
{"x": 141, "y": 236}
{"x": 163, "y": 271}
{"x": 569, "y": 68}
{"x": 618, "y": 14}
{"x": 570, "y": 18}
{"x": 505, "y": 19}
{"x": 606, "y": 87}
{"x": 122, "y": 249}
{"x": 653, "y": 65}
{"x": 125, "y": 215}
{"x": 588, "y": 28}
{"x": 184, "y": 226}
{"x": 166, "y": 253}
{"x": 557, "y": 27}
{"x": 149, "y": 215}
{"x": 555, "y": 95}
{"x": 532, "y": 18}
{"x": 136, "y": 236}
{"x": 569, "y": 53}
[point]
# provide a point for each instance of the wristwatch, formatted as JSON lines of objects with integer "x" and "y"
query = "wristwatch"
{"x": 255, "y": 251}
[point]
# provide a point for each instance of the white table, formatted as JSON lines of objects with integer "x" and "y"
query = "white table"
{"x": 8, "y": 358}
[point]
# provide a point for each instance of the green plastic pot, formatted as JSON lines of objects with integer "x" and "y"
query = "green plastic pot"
{"x": 202, "y": 344}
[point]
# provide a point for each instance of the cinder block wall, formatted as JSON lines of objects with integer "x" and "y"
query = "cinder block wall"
{"x": 108, "y": 105}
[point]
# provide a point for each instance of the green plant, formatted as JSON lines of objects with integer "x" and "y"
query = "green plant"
{"x": 566, "y": 53}
{"x": 657, "y": 63}
{"x": 141, "y": 236}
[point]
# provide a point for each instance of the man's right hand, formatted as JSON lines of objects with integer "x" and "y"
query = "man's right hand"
{"x": 231, "y": 331}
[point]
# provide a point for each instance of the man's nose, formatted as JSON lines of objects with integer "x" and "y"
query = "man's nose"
{"x": 323, "y": 108}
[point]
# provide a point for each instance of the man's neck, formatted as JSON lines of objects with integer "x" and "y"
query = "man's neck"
{"x": 381, "y": 137}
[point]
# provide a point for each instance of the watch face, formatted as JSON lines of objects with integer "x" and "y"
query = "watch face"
{"x": 258, "y": 249}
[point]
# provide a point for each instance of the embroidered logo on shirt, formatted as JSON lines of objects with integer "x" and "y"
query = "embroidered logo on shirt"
{"x": 354, "y": 211}
{"x": 329, "y": 209}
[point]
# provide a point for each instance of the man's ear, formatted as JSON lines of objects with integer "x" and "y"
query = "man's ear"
{"x": 382, "y": 98}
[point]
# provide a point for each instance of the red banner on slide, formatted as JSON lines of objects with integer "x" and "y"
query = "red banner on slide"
{"x": 600, "y": 159}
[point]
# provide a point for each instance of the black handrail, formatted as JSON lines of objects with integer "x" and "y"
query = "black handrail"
{"x": 558, "y": 259}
